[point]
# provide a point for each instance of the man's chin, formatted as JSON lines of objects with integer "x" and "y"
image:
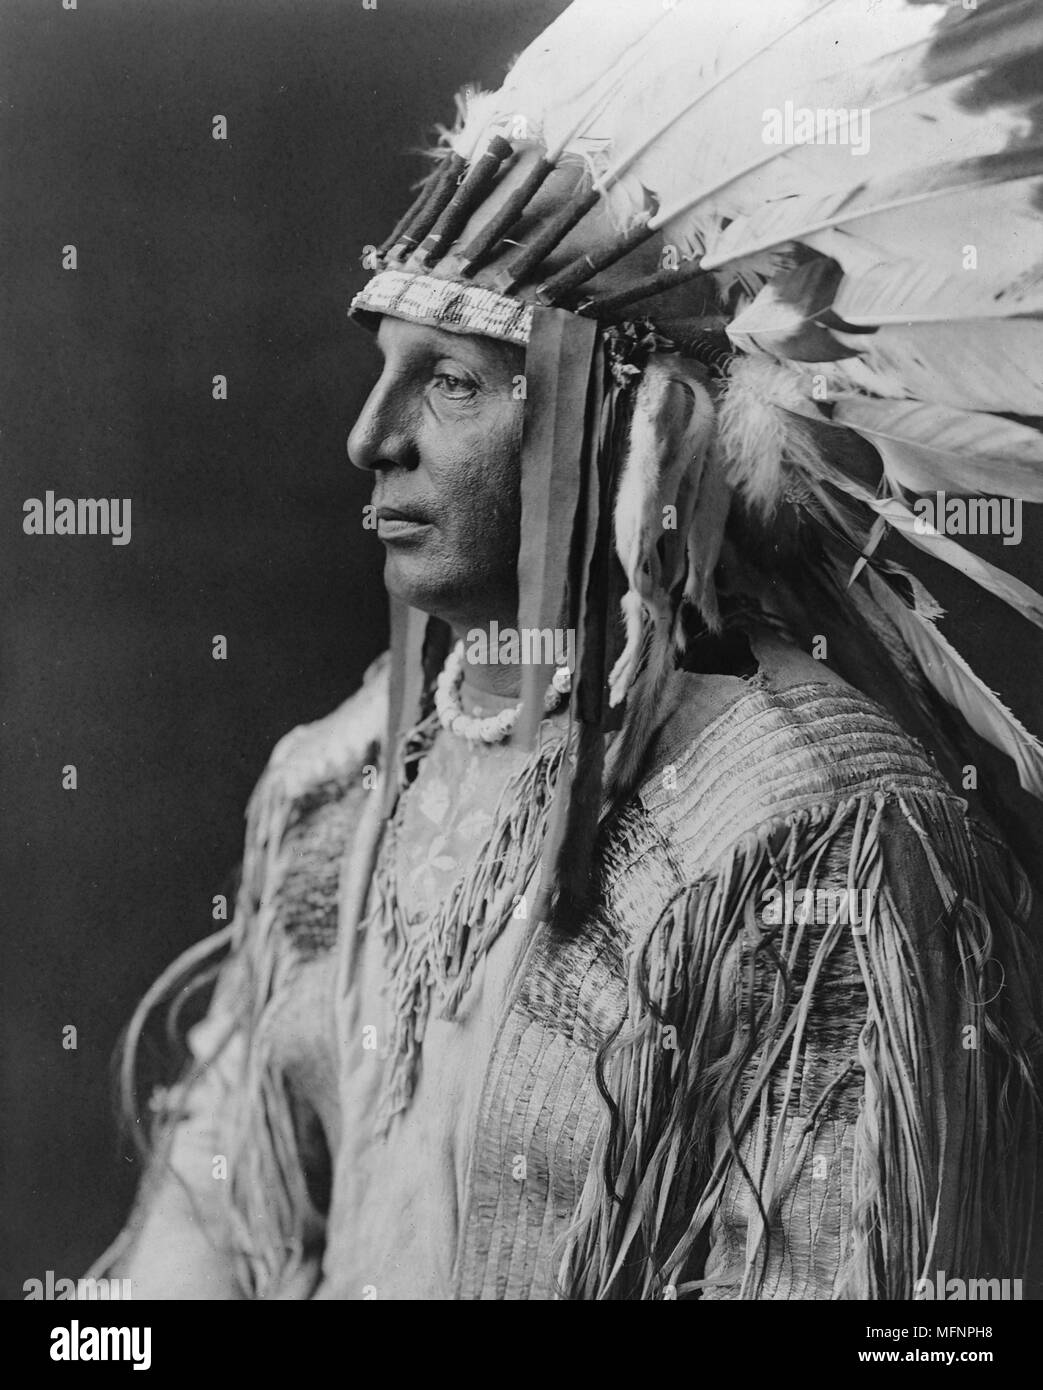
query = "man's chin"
{"x": 411, "y": 579}
{"x": 460, "y": 597}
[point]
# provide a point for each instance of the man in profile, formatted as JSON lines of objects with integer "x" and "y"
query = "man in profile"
{"x": 667, "y": 972}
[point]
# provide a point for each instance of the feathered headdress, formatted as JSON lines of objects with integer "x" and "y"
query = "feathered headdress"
{"x": 735, "y": 240}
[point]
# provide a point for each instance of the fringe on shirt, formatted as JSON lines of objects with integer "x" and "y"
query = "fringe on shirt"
{"x": 931, "y": 1188}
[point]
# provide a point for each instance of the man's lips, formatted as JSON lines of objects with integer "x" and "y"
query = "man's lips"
{"x": 395, "y": 522}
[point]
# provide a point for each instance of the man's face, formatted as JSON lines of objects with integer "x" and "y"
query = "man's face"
{"x": 441, "y": 432}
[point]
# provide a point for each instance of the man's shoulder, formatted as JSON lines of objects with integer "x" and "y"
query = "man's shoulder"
{"x": 733, "y": 756}
{"x": 338, "y": 746}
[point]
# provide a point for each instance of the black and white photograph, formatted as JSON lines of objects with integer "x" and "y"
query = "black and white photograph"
{"x": 522, "y": 684}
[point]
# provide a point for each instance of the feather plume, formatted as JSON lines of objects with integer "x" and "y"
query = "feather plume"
{"x": 690, "y": 127}
{"x": 1017, "y": 595}
{"x": 912, "y": 292}
{"x": 990, "y": 364}
{"x": 717, "y": 57}
{"x": 864, "y": 180}
{"x": 566, "y": 76}
{"x": 787, "y": 317}
{"x": 695, "y": 126}
{"x": 689, "y": 130}
{"x": 476, "y": 110}
{"x": 761, "y": 432}
{"x": 921, "y": 533}
{"x": 988, "y": 201}
{"x": 956, "y": 682}
{"x": 925, "y": 447}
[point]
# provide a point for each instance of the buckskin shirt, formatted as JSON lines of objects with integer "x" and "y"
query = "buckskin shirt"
{"x": 491, "y": 1182}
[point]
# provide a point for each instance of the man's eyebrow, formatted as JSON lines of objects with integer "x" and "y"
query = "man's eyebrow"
{"x": 428, "y": 353}
{"x": 441, "y": 344}
{"x": 497, "y": 357}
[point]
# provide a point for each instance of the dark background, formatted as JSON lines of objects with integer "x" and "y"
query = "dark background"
{"x": 198, "y": 257}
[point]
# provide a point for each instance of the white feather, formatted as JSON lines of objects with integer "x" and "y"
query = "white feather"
{"x": 760, "y": 433}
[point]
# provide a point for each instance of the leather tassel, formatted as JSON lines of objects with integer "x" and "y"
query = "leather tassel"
{"x": 595, "y": 590}
{"x": 568, "y": 852}
{"x": 572, "y": 825}
{"x": 408, "y": 635}
{"x": 558, "y": 362}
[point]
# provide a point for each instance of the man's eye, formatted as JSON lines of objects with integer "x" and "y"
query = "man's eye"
{"x": 454, "y": 388}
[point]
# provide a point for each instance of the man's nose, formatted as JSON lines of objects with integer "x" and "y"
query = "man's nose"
{"x": 381, "y": 437}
